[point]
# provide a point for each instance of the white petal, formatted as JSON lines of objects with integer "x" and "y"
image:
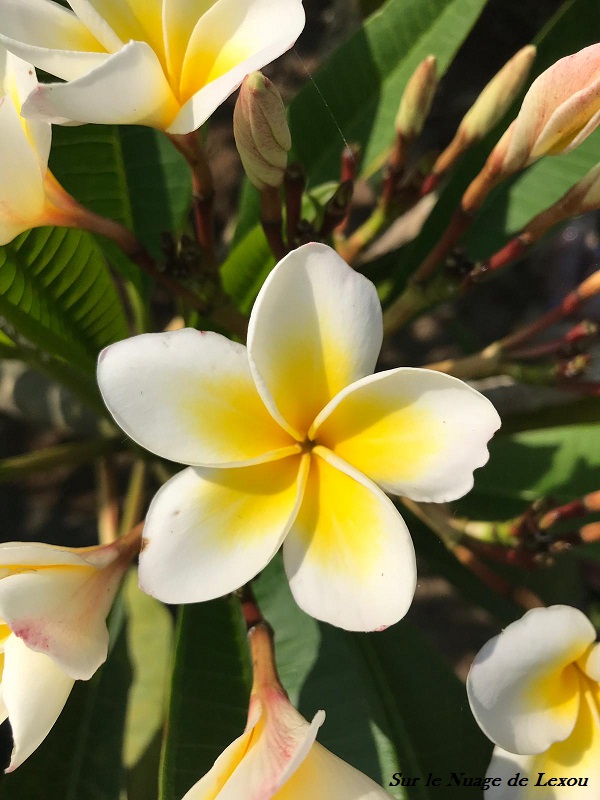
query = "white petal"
{"x": 128, "y": 88}
{"x": 97, "y": 23}
{"x": 209, "y": 786}
{"x": 209, "y": 531}
{"x": 232, "y": 39}
{"x": 315, "y": 328}
{"x": 49, "y": 36}
{"x": 524, "y": 686}
{"x": 35, "y": 691}
{"x": 590, "y": 663}
{"x": 179, "y": 20}
{"x": 349, "y": 557}
{"x": 61, "y": 612}
{"x": 415, "y": 432}
{"x": 19, "y": 80}
{"x": 189, "y": 396}
{"x": 324, "y": 776}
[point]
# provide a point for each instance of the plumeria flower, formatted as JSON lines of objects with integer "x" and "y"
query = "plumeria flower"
{"x": 29, "y": 194}
{"x": 294, "y": 439}
{"x": 163, "y": 63}
{"x": 277, "y": 755}
{"x": 535, "y": 692}
{"x": 53, "y": 607}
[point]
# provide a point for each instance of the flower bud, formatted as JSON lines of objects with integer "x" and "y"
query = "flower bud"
{"x": 261, "y": 131}
{"x": 560, "y": 110}
{"x": 417, "y": 99}
{"x": 489, "y": 108}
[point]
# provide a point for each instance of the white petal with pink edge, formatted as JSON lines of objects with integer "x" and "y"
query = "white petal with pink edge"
{"x": 189, "y": 396}
{"x": 415, "y": 432}
{"x": 524, "y": 687}
{"x": 209, "y": 531}
{"x": 315, "y": 328}
{"x": 130, "y": 87}
{"x": 349, "y": 557}
{"x": 61, "y": 611}
{"x": 49, "y": 36}
{"x": 35, "y": 691}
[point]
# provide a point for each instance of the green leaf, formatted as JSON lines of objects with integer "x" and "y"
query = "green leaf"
{"x": 128, "y": 173}
{"x": 210, "y": 688}
{"x": 392, "y": 704}
{"x": 149, "y": 640}
{"x": 81, "y": 757}
{"x": 56, "y": 291}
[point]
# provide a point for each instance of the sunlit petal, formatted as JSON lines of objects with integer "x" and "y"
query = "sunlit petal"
{"x": 179, "y": 18}
{"x": 103, "y": 96}
{"x": 523, "y": 687}
{"x": 315, "y": 328}
{"x": 35, "y": 691}
{"x": 349, "y": 557}
{"x": 189, "y": 396}
{"x": 45, "y": 33}
{"x": 414, "y": 432}
{"x": 209, "y": 531}
{"x": 233, "y": 31}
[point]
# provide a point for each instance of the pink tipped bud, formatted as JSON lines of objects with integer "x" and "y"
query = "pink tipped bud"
{"x": 417, "y": 99}
{"x": 560, "y": 110}
{"x": 261, "y": 131}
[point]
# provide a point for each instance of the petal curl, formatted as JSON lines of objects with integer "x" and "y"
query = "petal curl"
{"x": 349, "y": 557}
{"x": 51, "y": 37}
{"x": 128, "y": 88}
{"x": 415, "y": 432}
{"x": 209, "y": 531}
{"x": 315, "y": 328}
{"x": 35, "y": 691}
{"x": 189, "y": 396}
{"x": 524, "y": 686}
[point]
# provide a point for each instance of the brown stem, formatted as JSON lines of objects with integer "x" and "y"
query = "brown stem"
{"x": 272, "y": 219}
{"x": 336, "y": 209}
{"x": 294, "y": 184}
{"x": 514, "y": 250}
{"x": 459, "y": 223}
{"x": 203, "y": 192}
{"x": 250, "y": 609}
{"x": 264, "y": 668}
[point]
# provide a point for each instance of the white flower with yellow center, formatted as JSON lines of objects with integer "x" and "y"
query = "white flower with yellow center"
{"x": 535, "y": 692}
{"x": 53, "y": 607}
{"x": 291, "y": 439}
{"x": 163, "y": 63}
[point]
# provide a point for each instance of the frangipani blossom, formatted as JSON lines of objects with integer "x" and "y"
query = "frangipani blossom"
{"x": 163, "y": 63}
{"x": 277, "y": 757}
{"x": 535, "y": 692}
{"x": 291, "y": 442}
{"x": 560, "y": 110}
{"x": 53, "y": 607}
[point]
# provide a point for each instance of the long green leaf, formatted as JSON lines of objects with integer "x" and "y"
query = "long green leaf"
{"x": 81, "y": 757}
{"x": 55, "y": 290}
{"x": 209, "y": 692}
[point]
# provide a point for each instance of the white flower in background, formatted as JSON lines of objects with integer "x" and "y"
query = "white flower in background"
{"x": 294, "y": 439}
{"x": 53, "y": 607}
{"x": 535, "y": 692}
{"x": 164, "y": 63}
{"x": 277, "y": 757}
